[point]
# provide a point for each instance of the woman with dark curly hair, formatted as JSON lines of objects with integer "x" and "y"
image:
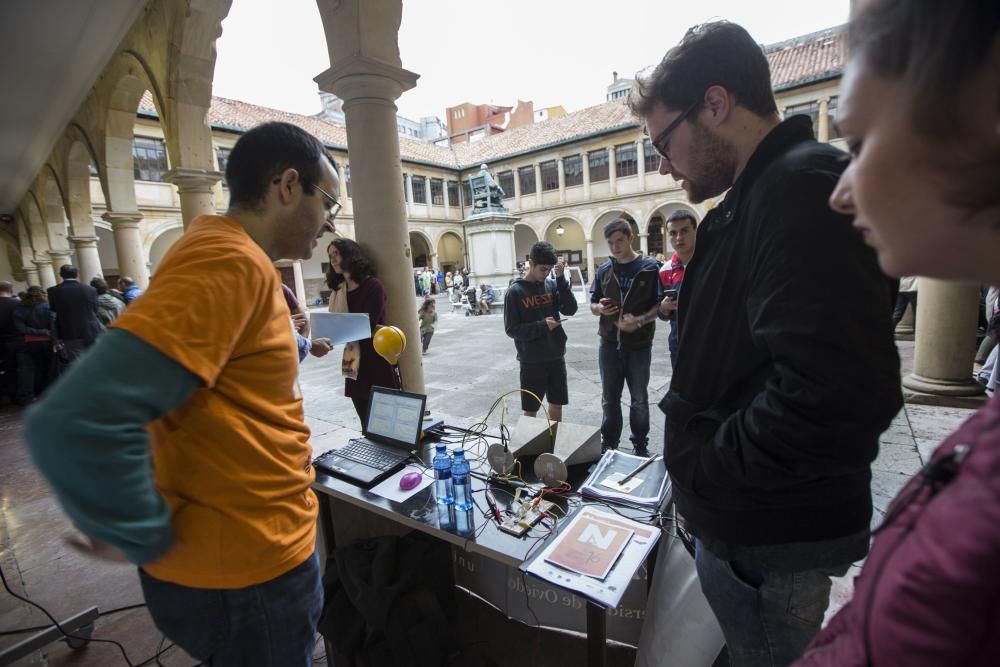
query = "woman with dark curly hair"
{"x": 920, "y": 111}
{"x": 356, "y": 290}
{"x": 34, "y": 357}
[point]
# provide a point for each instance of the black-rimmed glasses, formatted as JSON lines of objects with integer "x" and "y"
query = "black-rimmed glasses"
{"x": 334, "y": 204}
{"x": 661, "y": 144}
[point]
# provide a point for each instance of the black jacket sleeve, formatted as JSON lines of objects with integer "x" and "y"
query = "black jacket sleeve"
{"x": 819, "y": 305}
{"x": 513, "y": 323}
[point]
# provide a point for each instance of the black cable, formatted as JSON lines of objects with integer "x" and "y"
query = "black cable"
{"x": 21, "y": 631}
{"x": 3, "y": 579}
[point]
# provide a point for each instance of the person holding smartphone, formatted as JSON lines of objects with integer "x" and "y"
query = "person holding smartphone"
{"x": 682, "y": 232}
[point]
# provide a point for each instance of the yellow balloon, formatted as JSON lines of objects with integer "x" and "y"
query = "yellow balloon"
{"x": 389, "y": 342}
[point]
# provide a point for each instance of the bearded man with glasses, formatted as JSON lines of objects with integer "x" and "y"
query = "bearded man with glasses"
{"x": 787, "y": 372}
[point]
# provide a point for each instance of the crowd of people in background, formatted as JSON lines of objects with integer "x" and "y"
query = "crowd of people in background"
{"x": 43, "y": 331}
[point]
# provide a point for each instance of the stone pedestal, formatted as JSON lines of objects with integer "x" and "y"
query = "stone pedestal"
{"x": 947, "y": 314}
{"x": 31, "y": 276}
{"x": 490, "y": 244}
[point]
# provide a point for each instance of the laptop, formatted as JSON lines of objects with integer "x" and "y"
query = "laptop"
{"x": 391, "y": 437}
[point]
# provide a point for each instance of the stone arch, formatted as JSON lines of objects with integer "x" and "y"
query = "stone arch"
{"x": 80, "y": 154}
{"x": 132, "y": 79}
{"x": 420, "y": 248}
{"x": 524, "y": 237}
{"x": 450, "y": 251}
{"x": 162, "y": 237}
{"x": 656, "y": 224}
{"x": 56, "y": 220}
{"x": 571, "y": 244}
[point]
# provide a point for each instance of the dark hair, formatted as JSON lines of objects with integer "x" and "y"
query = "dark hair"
{"x": 263, "y": 153}
{"x": 99, "y": 284}
{"x": 542, "y": 252}
{"x": 68, "y": 271}
{"x": 680, "y": 215}
{"x": 126, "y": 281}
{"x": 33, "y": 296}
{"x": 933, "y": 49}
{"x": 6, "y": 286}
{"x": 718, "y": 53}
{"x": 352, "y": 260}
{"x": 618, "y": 225}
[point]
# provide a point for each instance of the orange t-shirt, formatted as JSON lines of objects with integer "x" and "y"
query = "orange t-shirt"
{"x": 233, "y": 462}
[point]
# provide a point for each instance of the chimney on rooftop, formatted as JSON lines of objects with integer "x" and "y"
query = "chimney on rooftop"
{"x": 615, "y": 74}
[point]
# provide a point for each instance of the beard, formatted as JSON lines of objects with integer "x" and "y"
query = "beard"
{"x": 716, "y": 165}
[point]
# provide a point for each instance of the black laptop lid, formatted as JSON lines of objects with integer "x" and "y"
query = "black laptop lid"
{"x": 395, "y": 417}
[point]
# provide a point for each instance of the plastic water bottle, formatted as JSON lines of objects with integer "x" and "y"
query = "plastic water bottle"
{"x": 443, "y": 488}
{"x": 462, "y": 485}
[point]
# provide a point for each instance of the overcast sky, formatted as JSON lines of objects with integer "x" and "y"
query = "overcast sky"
{"x": 548, "y": 51}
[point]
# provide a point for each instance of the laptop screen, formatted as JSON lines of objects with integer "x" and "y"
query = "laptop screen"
{"x": 395, "y": 415}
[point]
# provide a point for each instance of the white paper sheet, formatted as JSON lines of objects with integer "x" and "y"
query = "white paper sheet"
{"x": 389, "y": 487}
{"x": 340, "y": 327}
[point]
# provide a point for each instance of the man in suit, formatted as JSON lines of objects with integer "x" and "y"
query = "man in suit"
{"x": 74, "y": 315}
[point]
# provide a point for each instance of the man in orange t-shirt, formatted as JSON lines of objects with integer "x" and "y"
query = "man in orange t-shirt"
{"x": 190, "y": 456}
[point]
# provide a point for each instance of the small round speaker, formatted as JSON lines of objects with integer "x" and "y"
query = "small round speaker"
{"x": 501, "y": 461}
{"x": 550, "y": 469}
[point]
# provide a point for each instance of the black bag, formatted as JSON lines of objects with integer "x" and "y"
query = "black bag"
{"x": 390, "y": 601}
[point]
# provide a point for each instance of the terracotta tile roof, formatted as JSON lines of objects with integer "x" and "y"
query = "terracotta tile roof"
{"x": 807, "y": 58}
{"x": 794, "y": 62}
{"x": 234, "y": 115}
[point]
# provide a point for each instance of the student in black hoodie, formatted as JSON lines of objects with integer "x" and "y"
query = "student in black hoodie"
{"x": 532, "y": 305}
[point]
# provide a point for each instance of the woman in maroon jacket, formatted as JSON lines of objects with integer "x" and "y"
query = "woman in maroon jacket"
{"x": 356, "y": 289}
{"x": 920, "y": 109}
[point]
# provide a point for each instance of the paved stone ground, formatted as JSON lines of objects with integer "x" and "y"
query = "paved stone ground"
{"x": 470, "y": 362}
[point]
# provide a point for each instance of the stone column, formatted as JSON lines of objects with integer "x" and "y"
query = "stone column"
{"x": 562, "y": 181}
{"x": 369, "y": 86}
{"x": 538, "y": 185}
{"x": 196, "y": 189}
{"x": 46, "y": 276}
{"x": 585, "y": 159}
{"x": 300, "y": 285}
{"x": 128, "y": 242}
{"x": 640, "y": 156}
{"x": 947, "y": 314}
{"x": 31, "y": 276}
{"x": 60, "y": 257}
{"x": 590, "y": 259}
{"x": 447, "y": 199}
{"x": 612, "y": 175}
{"x": 644, "y": 243}
{"x": 88, "y": 256}
{"x": 409, "y": 192}
{"x": 517, "y": 189}
{"x": 823, "y": 124}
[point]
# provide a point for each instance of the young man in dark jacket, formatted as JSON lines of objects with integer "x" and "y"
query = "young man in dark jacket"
{"x": 787, "y": 371}
{"x": 625, "y": 294}
{"x": 531, "y": 310}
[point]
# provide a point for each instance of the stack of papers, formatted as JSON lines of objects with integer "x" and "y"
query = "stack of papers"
{"x": 646, "y": 488}
{"x": 596, "y": 555}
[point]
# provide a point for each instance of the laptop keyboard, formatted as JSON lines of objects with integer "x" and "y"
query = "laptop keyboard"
{"x": 372, "y": 454}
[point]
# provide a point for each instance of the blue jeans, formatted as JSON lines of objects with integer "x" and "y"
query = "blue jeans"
{"x": 272, "y": 624}
{"x": 617, "y": 368}
{"x": 767, "y": 617}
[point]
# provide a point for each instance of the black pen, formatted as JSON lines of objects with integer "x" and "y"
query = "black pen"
{"x": 637, "y": 470}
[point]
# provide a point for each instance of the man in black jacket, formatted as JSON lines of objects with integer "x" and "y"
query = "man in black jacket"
{"x": 73, "y": 306}
{"x": 787, "y": 371}
{"x": 625, "y": 294}
{"x": 531, "y": 309}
